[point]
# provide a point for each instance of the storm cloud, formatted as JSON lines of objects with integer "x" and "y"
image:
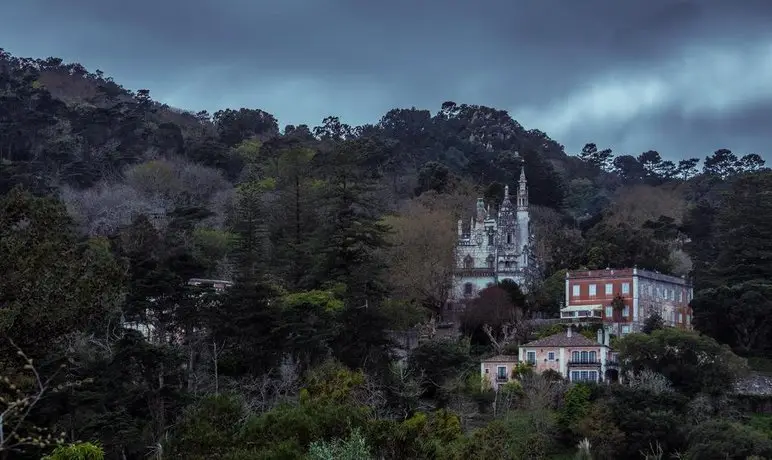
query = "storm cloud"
{"x": 681, "y": 77}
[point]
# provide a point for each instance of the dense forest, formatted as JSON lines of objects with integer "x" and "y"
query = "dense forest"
{"x": 334, "y": 237}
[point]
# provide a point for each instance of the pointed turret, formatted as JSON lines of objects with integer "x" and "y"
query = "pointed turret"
{"x": 480, "y": 209}
{"x": 522, "y": 191}
{"x": 506, "y": 203}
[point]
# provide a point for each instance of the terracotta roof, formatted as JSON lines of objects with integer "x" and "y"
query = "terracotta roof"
{"x": 562, "y": 340}
{"x": 501, "y": 359}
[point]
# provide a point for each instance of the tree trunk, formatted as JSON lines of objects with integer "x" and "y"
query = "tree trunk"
{"x": 216, "y": 370}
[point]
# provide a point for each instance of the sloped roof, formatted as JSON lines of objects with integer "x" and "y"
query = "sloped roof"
{"x": 561, "y": 339}
{"x": 501, "y": 359}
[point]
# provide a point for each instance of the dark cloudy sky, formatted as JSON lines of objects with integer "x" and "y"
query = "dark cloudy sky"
{"x": 684, "y": 77}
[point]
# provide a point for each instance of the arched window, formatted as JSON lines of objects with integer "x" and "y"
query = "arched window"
{"x": 592, "y": 357}
{"x": 575, "y": 356}
{"x": 509, "y": 238}
{"x": 584, "y": 356}
{"x": 468, "y": 288}
{"x": 468, "y": 262}
{"x": 491, "y": 261}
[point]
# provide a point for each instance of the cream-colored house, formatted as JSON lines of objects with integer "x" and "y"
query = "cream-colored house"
{"x": 498, "y": 369}
{"x": 576, "y": 357}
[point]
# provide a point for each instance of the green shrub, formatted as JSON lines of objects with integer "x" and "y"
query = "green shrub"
{"x": 77, "y": 451}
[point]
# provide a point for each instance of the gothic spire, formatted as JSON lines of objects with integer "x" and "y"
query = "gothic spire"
{"x": 522, "y": 191}
{"x": 506, "y": 203}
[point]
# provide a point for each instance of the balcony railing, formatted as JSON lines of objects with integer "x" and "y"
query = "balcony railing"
{"x": 581, "y": 319}
{"x": 612, "y": 363}
{"x": 584, "y": 362}
{"x": 501, "y": 379}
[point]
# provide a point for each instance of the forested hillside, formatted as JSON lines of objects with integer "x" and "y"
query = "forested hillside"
{"x": 334, "y": 235}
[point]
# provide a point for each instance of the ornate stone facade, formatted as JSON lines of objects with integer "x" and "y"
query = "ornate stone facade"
{"x": 494, "y": 247}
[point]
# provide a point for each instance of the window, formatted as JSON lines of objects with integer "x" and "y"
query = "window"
{"x": 609, "y": 288}
{"x": 575, "y": 290}
{"x": 593, "y": 290}
{"x": 468, "y": 287}
{"x": 680, "y": 295}
{"x": 531, "y": 357}
{"x": 609, "y": 311}
{"x": 626, "y": 311}
{"x": 501, "y": 373}
{"x": 551, "y": 356}
{"x": 625, "y": 288}
{"x": 688, "y": 319}
{"x": 468, "y": 262}
{"x": 584, "y": 376}
{"x": 490, "y": 261}
{"x": 507, "y": 264}
{"x": 490, "y": 239}
{"x": 509, "y": 238}
{"x": 584, "y": 357}
{"x": 680, "y": 317}
{"x": 625, "y": 329}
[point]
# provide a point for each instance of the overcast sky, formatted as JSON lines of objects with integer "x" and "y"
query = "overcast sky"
{"x": 681, "y": 77}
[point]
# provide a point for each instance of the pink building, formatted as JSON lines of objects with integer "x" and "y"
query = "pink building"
{"x": 498, "y": 369}
{"x": 574, "y": 356}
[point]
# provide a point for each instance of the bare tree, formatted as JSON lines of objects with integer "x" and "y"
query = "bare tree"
{"x": 634, "y": 205}
{"x": 264, "y": 392}
{"x": 421, "y": 257}
{"x": 541, "y": 393}
{"x": 16, "y": 403}
{"x": 216, "y": 352}
{"x": 459, "y": 400}
{"x": 407, "y": 386}
{"x": 503, "y": 322}
{"x": 507, "y": 334}
{"x": 176, "y": 180}
{"x": 648, "y": 380}
{"x": 102, "y": 209}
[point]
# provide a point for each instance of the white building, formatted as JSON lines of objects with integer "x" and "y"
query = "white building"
{"x": 151, "y": 327}
{"x": 495, "y": 247}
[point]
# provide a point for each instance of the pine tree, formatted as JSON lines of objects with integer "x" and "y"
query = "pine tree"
{"x": 349, "y": 243}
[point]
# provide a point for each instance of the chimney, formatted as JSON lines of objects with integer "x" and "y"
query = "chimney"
{"x": 568, "y": 331}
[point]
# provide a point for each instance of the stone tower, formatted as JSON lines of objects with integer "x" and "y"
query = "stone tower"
{"x": 496, "y": 245}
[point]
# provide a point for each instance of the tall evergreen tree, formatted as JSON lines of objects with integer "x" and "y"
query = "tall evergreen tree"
{"x": 348, "y": 243}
